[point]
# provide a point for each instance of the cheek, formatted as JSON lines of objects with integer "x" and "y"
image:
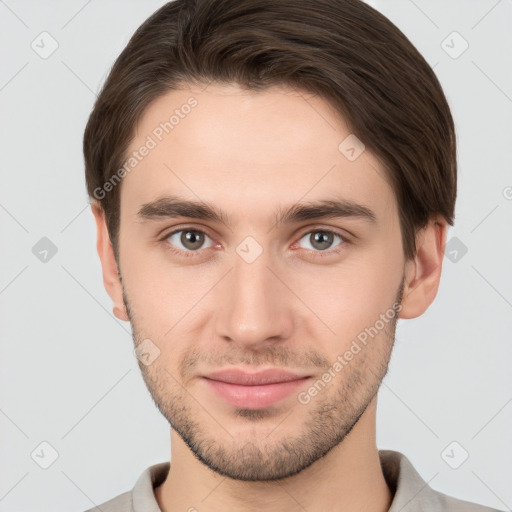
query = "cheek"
{"x": 351, "y": 297}
{"x": 159, "y": 293}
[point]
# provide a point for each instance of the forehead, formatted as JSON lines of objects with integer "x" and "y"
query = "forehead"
{"x": 255, "y": 149}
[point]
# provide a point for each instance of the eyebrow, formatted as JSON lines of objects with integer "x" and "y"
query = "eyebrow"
{"x": 174, "y": 206}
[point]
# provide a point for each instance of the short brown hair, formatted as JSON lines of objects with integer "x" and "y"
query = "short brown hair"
{"x": 342, "y": 50}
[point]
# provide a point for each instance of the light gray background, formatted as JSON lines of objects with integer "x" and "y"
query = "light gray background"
{"x": 68, "y": 374}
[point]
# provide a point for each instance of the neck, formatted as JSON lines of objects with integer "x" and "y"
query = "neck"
{"x": 349, "y": 477}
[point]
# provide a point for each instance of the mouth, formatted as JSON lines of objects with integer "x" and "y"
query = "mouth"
{"x": 254, "y": 390}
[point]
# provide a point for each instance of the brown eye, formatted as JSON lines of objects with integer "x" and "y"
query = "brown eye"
{"x": 321, "y": 239}
{"x": 188, "y": 239}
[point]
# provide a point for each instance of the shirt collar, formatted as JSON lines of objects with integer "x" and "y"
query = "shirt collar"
{"x": 405, "y": 483}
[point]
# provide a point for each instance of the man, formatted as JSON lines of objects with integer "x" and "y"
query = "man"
{"x": 272, "y": 183}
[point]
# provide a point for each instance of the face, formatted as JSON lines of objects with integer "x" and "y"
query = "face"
{"x": 271, "y": 281}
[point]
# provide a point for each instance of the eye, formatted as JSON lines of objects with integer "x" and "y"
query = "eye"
{"x": 187, "y": 240}
{"x": 321, "y": 240}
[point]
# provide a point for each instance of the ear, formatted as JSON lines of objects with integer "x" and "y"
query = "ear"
{"x": 423, "y": 272}
{"x": 111, "y": 279}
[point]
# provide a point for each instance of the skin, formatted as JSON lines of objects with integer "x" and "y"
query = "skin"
{"x": 249, "y": 153}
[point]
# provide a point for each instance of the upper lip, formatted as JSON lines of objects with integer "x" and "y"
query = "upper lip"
{"x": 269, "y": 376}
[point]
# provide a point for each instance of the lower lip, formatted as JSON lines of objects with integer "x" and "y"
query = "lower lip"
{"x": 254, "y": 397}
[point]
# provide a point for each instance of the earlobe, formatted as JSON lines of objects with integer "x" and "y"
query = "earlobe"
{"x": 111, "y": 279}
{"x": 423, "y": 272}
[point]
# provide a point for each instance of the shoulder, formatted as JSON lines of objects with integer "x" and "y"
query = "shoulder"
{"x": 443, "y": 502}
{"x": 412, "y": 491}
{"x": 121, "y": 503}
{"x": 141, "y": 497}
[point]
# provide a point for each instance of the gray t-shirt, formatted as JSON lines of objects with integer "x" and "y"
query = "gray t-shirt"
{"x": 404, "y": 481}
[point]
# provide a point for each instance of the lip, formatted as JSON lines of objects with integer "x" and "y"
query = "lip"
{"x": 254, "y": 390}
{"x": 241, "y": 377}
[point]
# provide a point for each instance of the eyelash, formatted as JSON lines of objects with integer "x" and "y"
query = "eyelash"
{"x": 319, "y": 254}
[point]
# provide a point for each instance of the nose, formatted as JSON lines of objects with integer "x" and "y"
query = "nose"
{"x": 255, "y": 308}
